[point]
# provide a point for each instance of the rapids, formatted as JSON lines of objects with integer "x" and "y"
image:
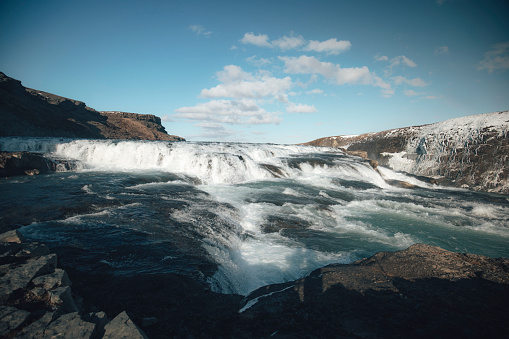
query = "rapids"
{"x": 238, "y": 216}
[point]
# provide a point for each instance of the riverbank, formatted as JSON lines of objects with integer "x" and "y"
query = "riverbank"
{"x": 422, "y": 291}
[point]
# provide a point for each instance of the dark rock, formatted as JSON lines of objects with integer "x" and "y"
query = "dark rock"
{"x": 69, "y": 326}
{"x": 400, "y": 184}
{"x": 276, "y": 171}
{"x": 11, "y": 319}
{"x": 24, "y": 163}
{"x": 362, "y": 154}
{"x": 123, "y": 327}
{"x": 19, "y": 276}
{"x": 36, "y": 329}
{"x": 62, "y": 301}
{"x": 277, "y": 223}
{"x": 32, "y": 172}
{"x": 12, "y": 236}
{"x": 32, "y": 249}
{"x": 51, "y": 281}
{"x": 374, "y": 164}
{"x": 36, "y": 300}
{"x": 423, "y": 291}
{"x": 99, "y": 319}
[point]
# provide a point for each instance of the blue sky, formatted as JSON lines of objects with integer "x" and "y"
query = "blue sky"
{"x": 265, "y": 71}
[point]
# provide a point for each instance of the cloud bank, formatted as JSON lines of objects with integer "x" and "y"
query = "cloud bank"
{"x": 331, "y": 46}
{"x": 334, "y": 72}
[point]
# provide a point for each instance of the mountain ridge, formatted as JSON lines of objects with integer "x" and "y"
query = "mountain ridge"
{"x": 30, "y": 112}
{"x": 470, "y": 152}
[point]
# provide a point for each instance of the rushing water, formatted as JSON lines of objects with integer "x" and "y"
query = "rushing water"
{"x": 236, "y": 215}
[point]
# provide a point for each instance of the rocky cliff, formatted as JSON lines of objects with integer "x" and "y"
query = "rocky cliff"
{"x": 28, "y": 112}
{"x": 471, "y": 152}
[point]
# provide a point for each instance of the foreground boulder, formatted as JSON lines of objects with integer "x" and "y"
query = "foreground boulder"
{"x": 421, "y": 292}
{"x": 36, "y": 300}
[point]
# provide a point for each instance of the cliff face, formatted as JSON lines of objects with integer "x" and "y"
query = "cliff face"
{"x": 29, "y": 112}
{"x": 470, "y": 152}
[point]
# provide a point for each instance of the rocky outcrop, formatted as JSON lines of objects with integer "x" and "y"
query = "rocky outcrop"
{"x": 470, "y": 152}
{"x": 21, "y": 163}
{"x": 27, "y": 163}
{"x": 36, "y": 300}
{"x": 421, "y": 292}
{"x": 34, "y": 113}
{"x": 133, "y": 126}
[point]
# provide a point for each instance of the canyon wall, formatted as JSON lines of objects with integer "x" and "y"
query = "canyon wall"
{"x": 470, "y": 152}
{"x": 29, "y": 112}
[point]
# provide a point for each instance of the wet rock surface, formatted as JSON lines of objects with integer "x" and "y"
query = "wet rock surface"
{"x": 28, "y": 163}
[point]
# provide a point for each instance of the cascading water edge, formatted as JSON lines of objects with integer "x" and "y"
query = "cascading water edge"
{"x": 239, "y": 216}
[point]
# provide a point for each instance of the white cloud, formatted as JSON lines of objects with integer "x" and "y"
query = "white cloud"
{"x": 311, "y": 65}
{"x": 412, "y": 93}
{"x": 236, "y": 83}
{"x": 334, "y": 72}
{"x": 233, "y": 112}
{"x": 257, "y": 40}
{"x": 496, "y": 59}
{"x": 442, "y": 50}
{"x": 379, "y": 57}
{"x": 416, "y": 82}
{"x": 300, "y": 108}
{"x": 431, "y": 97}
{"x": 287, "y": 42}
{"x": 212, "y": 130}
{"x": 200, "y": 30}
{"x": 258, "y": 62}
{"x": 331, "y": 46}
{"x": 386, "y": 88}
{"x": 396, "y": 61}
{"x": 315, "y": 91}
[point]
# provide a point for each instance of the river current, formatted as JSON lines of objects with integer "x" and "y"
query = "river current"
{"x": 238, "y": 216}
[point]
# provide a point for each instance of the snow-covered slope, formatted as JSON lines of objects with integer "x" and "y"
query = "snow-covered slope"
{"x": 471, "y": 151}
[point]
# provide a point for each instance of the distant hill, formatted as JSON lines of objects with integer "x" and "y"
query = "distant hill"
{"x": 29, "y": 112}
{"x": 471, "y": 151}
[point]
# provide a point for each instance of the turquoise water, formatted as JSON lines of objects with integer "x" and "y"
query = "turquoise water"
{"x": 238, "y": 216}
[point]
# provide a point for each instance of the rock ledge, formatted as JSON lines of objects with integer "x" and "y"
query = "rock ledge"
{"x": 36, "y": 300}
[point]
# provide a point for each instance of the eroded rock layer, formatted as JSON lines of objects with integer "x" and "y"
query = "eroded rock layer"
{"x": 29, "y": 112}
{"x": 471, "y": 152}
